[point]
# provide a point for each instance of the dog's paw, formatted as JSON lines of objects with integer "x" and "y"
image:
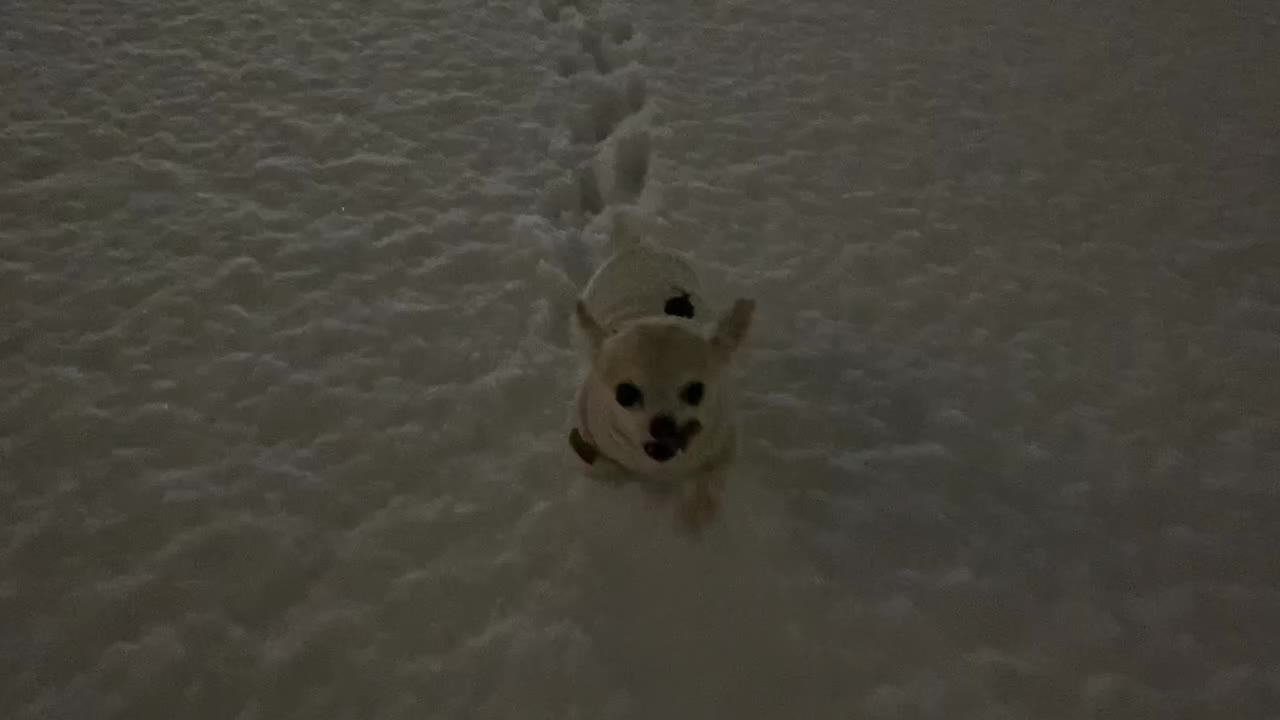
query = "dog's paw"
{"x": 698, "y": 510}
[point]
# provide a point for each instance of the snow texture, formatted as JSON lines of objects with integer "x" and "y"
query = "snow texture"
{"x": 285, "y": 362}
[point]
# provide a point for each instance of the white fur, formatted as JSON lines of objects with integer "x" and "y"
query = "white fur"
{"x": 630, "y": 338}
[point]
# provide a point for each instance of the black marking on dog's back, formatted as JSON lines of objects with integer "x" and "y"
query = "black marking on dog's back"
{"x": 679, "y": 306}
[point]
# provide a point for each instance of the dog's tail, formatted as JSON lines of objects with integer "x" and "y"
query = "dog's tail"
{"x": 569, "y": 256}
{"x": 561, "y": 268}
{"x": 619, "y": 229}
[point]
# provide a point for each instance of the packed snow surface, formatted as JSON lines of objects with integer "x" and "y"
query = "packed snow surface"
{"x": 285, "y": 368}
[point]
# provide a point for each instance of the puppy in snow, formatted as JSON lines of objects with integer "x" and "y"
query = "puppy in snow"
{"x": 655, "y": 404}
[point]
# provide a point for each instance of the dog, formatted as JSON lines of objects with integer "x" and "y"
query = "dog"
{"x": 655, "y": 406}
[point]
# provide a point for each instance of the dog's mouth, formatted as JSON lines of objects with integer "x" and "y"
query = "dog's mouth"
{"x": 668, "y": 446}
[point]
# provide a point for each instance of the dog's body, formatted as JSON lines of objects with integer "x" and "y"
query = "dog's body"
{"x": 655, "y": 405}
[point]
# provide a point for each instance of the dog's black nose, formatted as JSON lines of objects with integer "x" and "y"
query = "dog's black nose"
{"x": 679, "y": 306}
{"x": 663, "y": 427}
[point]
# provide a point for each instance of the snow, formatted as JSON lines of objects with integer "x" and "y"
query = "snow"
{"x": 285, "y": 366}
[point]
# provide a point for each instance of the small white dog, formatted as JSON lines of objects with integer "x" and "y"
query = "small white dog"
{"x": 655, "y": 405}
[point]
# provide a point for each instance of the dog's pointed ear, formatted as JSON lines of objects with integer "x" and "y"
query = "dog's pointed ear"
{"x": 732, "y": 329}
{"x": 591, "y": 329}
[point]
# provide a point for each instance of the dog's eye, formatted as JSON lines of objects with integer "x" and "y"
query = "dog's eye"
{"x": 627, "y": 395}
{"x": 692, "y": 393}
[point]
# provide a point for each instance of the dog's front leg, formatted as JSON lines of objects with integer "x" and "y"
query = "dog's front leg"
{"x": 702, "y": 502}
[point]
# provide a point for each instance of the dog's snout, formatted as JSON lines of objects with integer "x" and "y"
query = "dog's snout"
{"x": 663, "y": 426}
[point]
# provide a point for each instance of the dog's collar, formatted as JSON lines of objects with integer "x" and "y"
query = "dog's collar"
{"x": 585, "y": 450}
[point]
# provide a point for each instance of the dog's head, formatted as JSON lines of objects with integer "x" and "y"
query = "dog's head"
{"x": 656, "y": 385}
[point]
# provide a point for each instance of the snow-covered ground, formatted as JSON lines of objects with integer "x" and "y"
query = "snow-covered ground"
{"x": 284, "y": 374}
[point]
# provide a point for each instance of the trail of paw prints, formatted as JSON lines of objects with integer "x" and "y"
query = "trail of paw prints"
{"x": 607, "y": 119}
